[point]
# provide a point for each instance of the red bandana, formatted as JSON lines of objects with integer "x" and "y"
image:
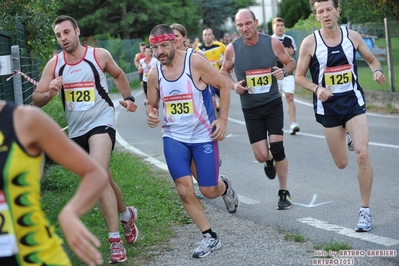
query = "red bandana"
{"x": 162, "y": 38}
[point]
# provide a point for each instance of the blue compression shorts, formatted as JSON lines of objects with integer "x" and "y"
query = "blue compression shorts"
{"x": 178, "y": 157}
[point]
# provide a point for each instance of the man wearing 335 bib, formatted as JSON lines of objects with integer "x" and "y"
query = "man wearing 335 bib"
{"x": 260, "y": 99}
{"x": 338, "y": 100}
{"x": 78, "y": 75}
{"x": 190, "y": 129}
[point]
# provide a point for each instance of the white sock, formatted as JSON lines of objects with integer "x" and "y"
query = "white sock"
{"x": 114, "y": 235}
{"x": 366, "y": 210}
{"x": 125, "y": 215}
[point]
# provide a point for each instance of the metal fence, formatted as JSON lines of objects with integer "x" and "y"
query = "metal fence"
{"x": 123, "y": 51}
{"x": 28, "y": 66}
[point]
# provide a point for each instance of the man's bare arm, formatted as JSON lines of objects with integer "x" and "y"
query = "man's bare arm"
{"x": 48, "y": 85}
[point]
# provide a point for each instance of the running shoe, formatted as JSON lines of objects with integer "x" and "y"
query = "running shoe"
{"x": 118, "y": 251}
{"x": 284, "y": 200}
{"x": 270, "y": 169}
{"x": 131, "y": 230}
{"x": 294, "y": 128}
{"x": 364, "y": 224}
{"x": 231, "y": 197}
{"x": 207, "y": 245}
{"x": 350, "y": 143}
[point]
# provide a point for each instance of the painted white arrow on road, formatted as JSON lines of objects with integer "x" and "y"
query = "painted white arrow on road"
{"x": 312, "y": 202}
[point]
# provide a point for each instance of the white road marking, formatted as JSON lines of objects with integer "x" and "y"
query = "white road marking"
{"x": 349, "y": 232}
{"x": 312, "y": 202}
{"x": 246, "y": 200}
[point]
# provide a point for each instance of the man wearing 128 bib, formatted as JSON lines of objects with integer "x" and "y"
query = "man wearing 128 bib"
{"x": 338, "y": 100}
{"x": 78, "y": 75}
{"x": 260, "y": 99}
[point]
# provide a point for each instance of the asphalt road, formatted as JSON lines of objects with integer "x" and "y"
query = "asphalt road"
{"x": 326, "y": 199}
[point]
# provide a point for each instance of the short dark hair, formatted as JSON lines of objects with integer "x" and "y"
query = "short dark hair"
{"x": 277, "y": 19}
{"x": 312, "y": 2}
{"x": 161, "y": 29}
{"x": 63, "y": 18}
{"x": 143, "y": 44}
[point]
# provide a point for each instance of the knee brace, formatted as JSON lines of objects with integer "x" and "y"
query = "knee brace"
{"x": 277, "y": 150}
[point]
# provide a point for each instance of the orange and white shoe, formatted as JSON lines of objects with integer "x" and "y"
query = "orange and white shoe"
{"x": 131, "y": 230}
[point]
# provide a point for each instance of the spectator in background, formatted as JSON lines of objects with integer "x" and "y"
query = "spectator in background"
{"x": 287, "y": 84}
{"x": 196, "y": 43}
{"x": 140, "y": 55}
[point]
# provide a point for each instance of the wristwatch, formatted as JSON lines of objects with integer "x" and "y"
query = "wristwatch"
{"x": 130, "y": 98}
{"x": 285, "y": 72}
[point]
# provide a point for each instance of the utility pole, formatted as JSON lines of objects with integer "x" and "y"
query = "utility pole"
{"x": 264, "y": 17}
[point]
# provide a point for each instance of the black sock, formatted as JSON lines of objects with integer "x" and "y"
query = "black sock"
{"x": 209, "y": 231}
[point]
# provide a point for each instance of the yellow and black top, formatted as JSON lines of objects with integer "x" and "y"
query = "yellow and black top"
{"x": 214, "y": 53}
{"x": 26, "y": 237}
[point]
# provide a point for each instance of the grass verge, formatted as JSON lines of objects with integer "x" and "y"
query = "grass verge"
{"x": 149, "y": 189}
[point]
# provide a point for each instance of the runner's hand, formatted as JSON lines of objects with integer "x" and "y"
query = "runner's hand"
{"x": 239, "y": 88}
{"x": 80, "y": 239}
{"x": 152, "y": 118}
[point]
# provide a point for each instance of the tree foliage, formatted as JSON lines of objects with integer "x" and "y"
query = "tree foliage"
{"x": 37, "y": 17}
{"x": 238, "y": 4}
{"x": 129, "y": 18}
{"x": 293, "y": 10}
{"x": 214, "y": 13}
{"x": 310, "y": 23}
{"x": 361, "y": 11}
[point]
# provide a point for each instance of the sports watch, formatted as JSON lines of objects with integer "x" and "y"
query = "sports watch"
{"x": 285, "y": 72}
{"x": 130, "y": 98}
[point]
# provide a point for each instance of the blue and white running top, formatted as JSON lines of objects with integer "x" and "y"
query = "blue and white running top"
{"x": 188, "y": 111}
{"x": 335, "y": 69}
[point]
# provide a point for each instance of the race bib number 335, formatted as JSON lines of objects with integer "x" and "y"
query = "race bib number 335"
{"x": 179, "y": 105}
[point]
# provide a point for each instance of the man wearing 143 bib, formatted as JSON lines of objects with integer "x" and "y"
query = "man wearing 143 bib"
{"x": 261, "y": 102}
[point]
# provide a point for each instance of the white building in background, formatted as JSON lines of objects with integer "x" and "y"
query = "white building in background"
{"x": 265, "y": 11}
